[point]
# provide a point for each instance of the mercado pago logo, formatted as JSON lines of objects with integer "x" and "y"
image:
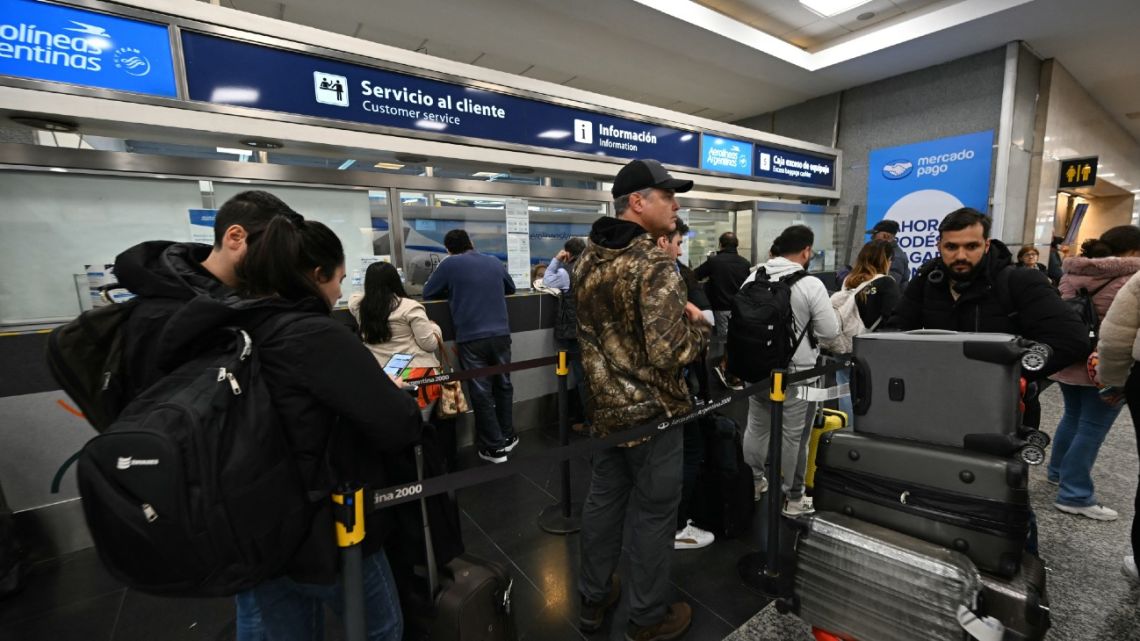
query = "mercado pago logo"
{"x": 75, "y": 45}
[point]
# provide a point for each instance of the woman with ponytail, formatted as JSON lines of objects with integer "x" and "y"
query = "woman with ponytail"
{"x": 339, "y": 411}
{"x": 391, "y": 323}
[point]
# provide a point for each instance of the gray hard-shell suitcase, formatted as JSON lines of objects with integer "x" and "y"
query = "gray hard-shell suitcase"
{"x": 1020, "y": 603}
{"x": 864, "y": 581}
{"x": 974, "y": 503}
{"x": 936, "y": 386}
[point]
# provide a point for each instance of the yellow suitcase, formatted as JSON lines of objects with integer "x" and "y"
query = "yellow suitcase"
{"x": 826, "y": 420}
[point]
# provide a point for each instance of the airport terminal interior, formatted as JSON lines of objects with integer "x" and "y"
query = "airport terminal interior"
{"x": 399, "y": 124}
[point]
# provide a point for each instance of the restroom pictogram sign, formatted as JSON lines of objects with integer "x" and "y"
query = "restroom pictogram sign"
{"x": 1078, "y": 172}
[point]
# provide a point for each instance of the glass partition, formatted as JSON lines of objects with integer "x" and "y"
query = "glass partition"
{"x": 705, "y": 228}
{"x": 768, "y": 222}
{"x": 56, "y": 224}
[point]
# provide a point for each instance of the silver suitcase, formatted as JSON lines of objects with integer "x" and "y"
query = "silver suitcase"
{"x": 936, "y": 386}
{"x": 874, "y": 584}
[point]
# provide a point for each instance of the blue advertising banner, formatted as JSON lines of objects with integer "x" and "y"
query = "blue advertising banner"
{"x": 918, "y": 184}
{"x": 726, "y": 155}
{"x": 308, "y": 85}
{"x": 795, "y": 167}
{"x": 62, "y": 44}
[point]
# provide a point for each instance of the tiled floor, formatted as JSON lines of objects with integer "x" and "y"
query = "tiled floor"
{"x": 73, "y": 597}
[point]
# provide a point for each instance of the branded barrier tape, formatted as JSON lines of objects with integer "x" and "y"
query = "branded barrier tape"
{"x": 414, "y": 491}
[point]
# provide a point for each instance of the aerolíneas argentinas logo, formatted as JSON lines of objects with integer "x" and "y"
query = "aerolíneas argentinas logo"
{"x": 78, "y": 46}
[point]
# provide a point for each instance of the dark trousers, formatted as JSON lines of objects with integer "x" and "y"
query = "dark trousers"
{"x": 491, "y": 397}
{"x": 693, "y": 454}
{"x": 641, "y": 483}
{"x": 577, "y": 376}
{"x": 1132, "y": 394}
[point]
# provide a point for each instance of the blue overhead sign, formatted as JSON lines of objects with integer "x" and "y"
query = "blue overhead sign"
{"x": 795, "y": 167}
{"x": 726, "y": 155}
{"x": 918, "y": 184}
{"x": 303, "y": 84}
{"x": 52, "y": 42}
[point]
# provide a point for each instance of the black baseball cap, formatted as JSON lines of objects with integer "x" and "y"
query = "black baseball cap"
{"x": 889, "y": 226}
{"x": 643, "y": 174}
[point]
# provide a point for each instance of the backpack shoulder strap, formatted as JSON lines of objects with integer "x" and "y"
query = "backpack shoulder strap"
{"x": 1001, "y": 290}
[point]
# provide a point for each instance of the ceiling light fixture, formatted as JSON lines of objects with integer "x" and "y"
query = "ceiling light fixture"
{"x": 388, "y": 165}
{"x": 829, "y": 8}
{"x": 261, "y": 143}
{"x": 46, "y": 124}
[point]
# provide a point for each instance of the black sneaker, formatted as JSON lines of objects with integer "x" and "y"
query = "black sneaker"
{"x": 493, "y": 456}
{"x": 511, "y": 443}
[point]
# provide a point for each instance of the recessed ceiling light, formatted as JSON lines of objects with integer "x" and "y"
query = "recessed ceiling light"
{"x": 829, "y": 8}
{"x": 388, "y": 165}
{"x": 867, "y": 15}
{"x": 261, "y": 143}
{"x": 46, "y": 124}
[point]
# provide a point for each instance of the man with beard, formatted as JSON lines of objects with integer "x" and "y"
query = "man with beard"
{"x": 974, "y": 287}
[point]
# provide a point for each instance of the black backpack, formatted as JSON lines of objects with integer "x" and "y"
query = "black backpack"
{"x": 193, "y": 490}
{"x": 1082, "y": 304}
{"x": 86, "y": 357}
{"x": 566, "y": 318}
{"x": 761, "y": 335}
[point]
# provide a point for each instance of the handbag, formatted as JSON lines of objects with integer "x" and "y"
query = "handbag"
{"x": 452, "y": 402}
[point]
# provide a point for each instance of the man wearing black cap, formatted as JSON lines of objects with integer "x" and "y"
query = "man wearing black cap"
{"x": 900, "y": 266}
{"x": 636, "y": 332}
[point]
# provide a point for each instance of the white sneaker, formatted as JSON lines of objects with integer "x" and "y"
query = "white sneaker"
{"x": 1129, "y": 570}
{"x": 1096, "y": 512}
{"x": 797, "y": 508}
{"x": 759, "y": 487}
{"x": 692, "y": 538}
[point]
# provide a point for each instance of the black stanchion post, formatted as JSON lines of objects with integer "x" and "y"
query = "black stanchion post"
{"x": 762, "y": 570}
{"x": 566, "y": 516}
{"x": 348, "y": 507}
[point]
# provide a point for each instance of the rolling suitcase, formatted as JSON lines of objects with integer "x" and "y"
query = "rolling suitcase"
{"x": 468, "y": 599}
{"x": 914, "y": 385}
{"x": 974, "y": 503}
{"x": 826, "y": 420}
{"x": 1020, "y": 603}
{"x": 723, "y": 498}
{"x": 862, "y": 581}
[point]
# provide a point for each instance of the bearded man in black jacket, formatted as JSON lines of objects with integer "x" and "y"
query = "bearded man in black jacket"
{"x": 974, "y": 287}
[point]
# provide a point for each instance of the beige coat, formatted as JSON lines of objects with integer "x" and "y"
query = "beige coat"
{"x": 412, "y": 333}
{"x": 1119, "y": 345}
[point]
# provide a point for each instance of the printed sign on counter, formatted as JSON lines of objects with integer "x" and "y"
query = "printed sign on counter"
{"x": 518, "y": 242}
{"x": 918, "y": 184}
{"x": 202, "y": 225}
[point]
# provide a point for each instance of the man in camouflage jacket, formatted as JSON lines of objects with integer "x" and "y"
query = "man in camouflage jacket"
{"x": 636, "y": 332}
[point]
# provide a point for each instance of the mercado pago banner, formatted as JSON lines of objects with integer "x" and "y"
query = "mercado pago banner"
{"x": 918, "y": 184}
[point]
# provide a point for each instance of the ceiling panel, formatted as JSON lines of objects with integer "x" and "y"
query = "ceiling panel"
{"x": 389, "y": 37}
{"x": 319, "y": 17}
{"x": 502, "y": 63}
{"x": 444, "y": 48}
{"x": 883, "y": 10}
{"x": 816, "y": 33}
{"x": 267, "y": 8}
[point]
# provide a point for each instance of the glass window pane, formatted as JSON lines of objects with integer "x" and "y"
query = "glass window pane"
{"x": 705, "y": 228}
{"x": 55, "y": 224}
{"x": 554, "y": 223}
{"x": 345, "y": 211}
{"x": 428, "y": 218}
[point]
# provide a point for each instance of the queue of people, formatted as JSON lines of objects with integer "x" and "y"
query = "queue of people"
{"x": 638, "y": 322}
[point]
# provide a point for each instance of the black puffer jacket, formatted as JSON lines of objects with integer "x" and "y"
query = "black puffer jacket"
{"x": 1000, "y": 299}
{"x": 340, "y": 411}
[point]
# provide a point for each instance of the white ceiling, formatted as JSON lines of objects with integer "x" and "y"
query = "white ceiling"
{"x": 640, "y": 50}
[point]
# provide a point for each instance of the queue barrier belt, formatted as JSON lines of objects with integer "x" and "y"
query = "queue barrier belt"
{"x": 397, "y": 494}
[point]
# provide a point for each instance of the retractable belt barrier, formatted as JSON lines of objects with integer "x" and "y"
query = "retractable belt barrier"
{"x": 397, "y": 494}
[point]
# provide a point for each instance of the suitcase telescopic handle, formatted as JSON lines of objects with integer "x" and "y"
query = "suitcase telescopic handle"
{"x": 432, "y": 576}
{"x": 860, "y": 386}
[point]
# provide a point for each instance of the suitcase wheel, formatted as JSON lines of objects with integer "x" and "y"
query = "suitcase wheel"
{"x": 1032, "y": 455}
{"x": 1038, "y": 438}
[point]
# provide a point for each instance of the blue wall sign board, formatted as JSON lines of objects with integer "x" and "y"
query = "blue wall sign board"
{"x": 62, "y": 44}
{"x": 726, "y": 155}
{"x": 297, "y": 83}
{"x": 918, "y": 184}
{"x": 798, "y": 168}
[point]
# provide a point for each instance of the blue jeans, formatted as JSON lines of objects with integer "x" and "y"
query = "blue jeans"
{"x": 285, "y": 610}
{"x": 493, "y": 396}
{"x": 1084, "y": 424}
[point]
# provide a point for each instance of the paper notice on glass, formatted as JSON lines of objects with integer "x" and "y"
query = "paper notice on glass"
{"x": 518, "y": 241}
{"x": 202, "y": 225}
{"x": 518, "y": 218}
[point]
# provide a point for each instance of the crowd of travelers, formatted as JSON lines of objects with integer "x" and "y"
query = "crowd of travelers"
{"x": 644, "y": 331}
